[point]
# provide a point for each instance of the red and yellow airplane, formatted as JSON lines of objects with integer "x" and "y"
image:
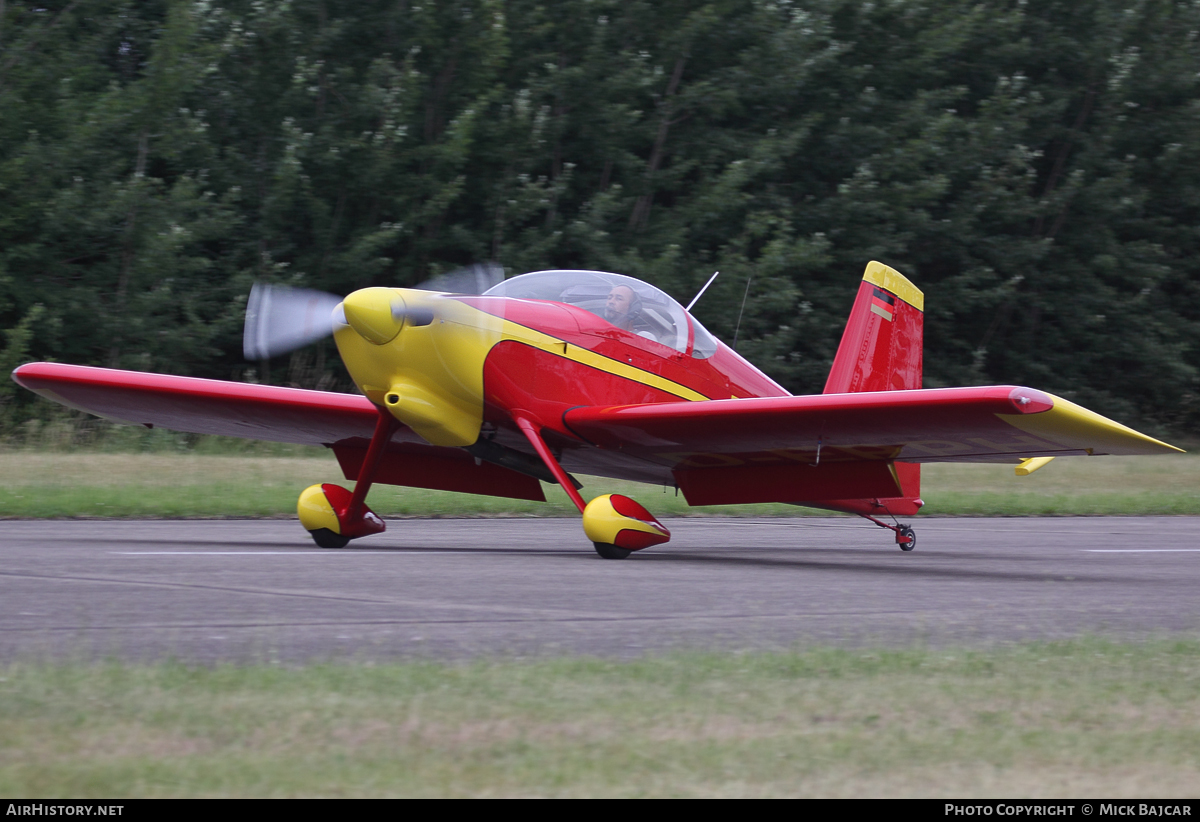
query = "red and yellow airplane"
{"x": 555, "y": 373}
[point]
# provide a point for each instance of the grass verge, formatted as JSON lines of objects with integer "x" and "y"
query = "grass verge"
{"x": 1078, "y": 718}
{"x": 172, "y": 485}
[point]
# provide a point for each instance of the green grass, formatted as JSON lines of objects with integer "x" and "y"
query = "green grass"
{"x": 1087, "y": 717}
{"x": 58, "y": 483}
{"x": 1070, "y": 485}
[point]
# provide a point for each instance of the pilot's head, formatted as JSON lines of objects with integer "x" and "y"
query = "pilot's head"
{"x": 622, "y": 306}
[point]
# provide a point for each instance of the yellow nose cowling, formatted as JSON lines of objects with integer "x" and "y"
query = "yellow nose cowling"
{"x": 428, "y": 373}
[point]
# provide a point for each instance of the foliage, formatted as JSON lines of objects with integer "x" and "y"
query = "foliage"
{"x": 1031, "y": 166}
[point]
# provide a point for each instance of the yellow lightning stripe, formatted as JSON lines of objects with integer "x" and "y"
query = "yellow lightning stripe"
{"x": 430, "y": 376}
{"x": 562, "y": 348}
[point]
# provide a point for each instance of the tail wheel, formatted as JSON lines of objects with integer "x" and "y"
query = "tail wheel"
{"x": 611, "y": 551}
{"x": 324, "y": 538}
{"x": 909, "y": 536}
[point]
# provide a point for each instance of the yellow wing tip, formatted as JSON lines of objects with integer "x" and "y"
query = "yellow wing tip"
{"x": 893, "y": 281}
{"x": 1084, "y": 417}
{"x": 1075, "y": 427}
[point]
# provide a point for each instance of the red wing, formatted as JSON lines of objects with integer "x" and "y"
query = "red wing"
{"x": 261, "y": 412}
{"x": 265, "y": 412}
{"x": 982, "y": 424}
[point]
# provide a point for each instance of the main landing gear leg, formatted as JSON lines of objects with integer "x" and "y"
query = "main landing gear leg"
{"x": 616, "y": 525}
{"x": 906, "y": 537}
{"x": 333, "y": 515}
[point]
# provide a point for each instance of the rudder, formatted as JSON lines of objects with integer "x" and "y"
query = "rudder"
{"x": 882, "y": 349}
{"x": 882, "y": 346}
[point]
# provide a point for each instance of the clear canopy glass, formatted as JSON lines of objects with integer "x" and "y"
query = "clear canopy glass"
{"x": 622, "y": 301}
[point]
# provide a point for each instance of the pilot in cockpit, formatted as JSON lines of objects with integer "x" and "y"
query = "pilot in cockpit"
{"x": 622, "y": 302}
{"x": 623, "y": 307}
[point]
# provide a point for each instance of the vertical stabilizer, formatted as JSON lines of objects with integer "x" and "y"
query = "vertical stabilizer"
{"x": 881, "y": 348}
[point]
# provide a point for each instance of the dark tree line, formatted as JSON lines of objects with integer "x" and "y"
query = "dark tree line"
{"x": 1034, "y": 167}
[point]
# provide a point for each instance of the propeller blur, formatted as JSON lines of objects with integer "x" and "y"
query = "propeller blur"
{"x": 280, "y": 319}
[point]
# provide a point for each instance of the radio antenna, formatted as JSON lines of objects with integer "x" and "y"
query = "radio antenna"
{"x": 698, "y": 296}
{"x": 743, "y": 308}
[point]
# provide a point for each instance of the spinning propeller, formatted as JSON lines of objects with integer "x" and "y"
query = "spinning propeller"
{"x": 280, "y": 319}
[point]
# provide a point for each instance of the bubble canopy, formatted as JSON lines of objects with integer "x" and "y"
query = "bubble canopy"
{"x": 642, "y": 309}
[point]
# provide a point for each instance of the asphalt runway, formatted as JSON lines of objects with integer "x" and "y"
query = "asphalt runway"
{"x": 203, "y": 591}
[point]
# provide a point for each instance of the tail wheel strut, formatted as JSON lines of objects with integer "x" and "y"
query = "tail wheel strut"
{"x": 906, "y": 537}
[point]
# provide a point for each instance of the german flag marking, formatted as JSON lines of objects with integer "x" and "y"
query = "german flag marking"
{"x": 883, "y": 304}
